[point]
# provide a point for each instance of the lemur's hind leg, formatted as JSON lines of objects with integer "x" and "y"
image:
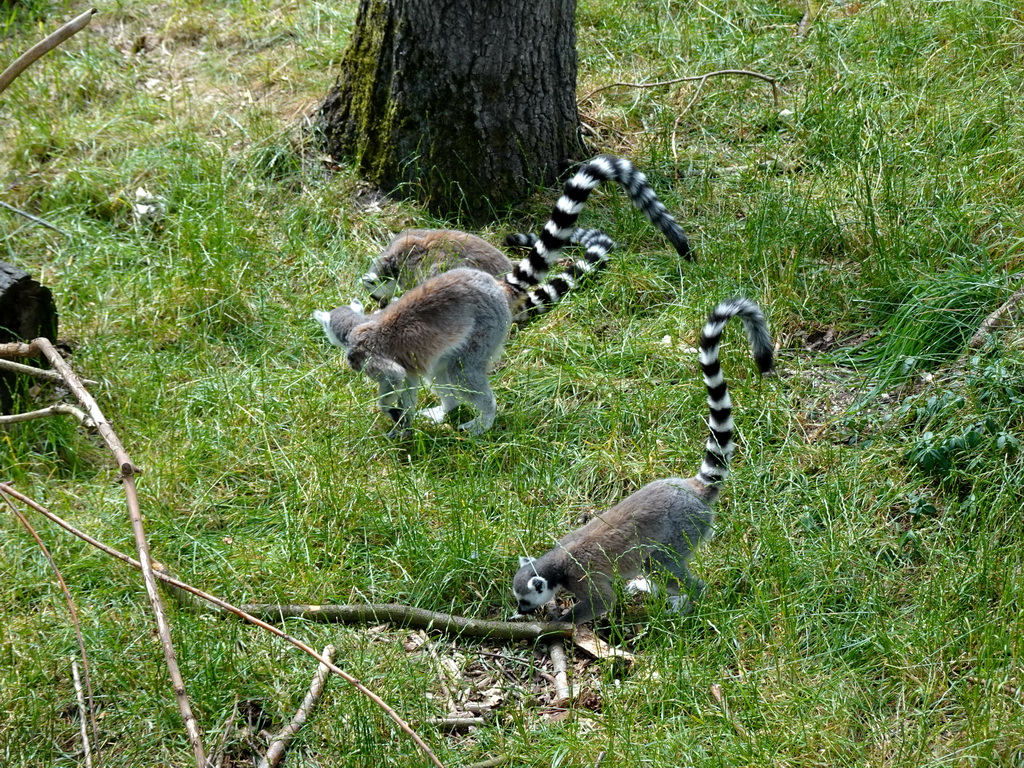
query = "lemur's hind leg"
{"x": 444, "y": 388}
{"x": 682, "y": 588}
{"x": 470, "y": 385}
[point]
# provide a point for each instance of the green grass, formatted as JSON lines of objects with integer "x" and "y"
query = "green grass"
{"x": 863, "y": 603}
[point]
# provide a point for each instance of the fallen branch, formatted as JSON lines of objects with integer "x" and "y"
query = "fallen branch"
{"x": 277, "y": 747}
{"x": 33, "y": 218}
{"x": 82, "y": 716}
{"x": 223, "y": 605}
{"x": 997, "y": 319}
{"x": 18, "y": 349}
{"x": 44, "y": 46}
{"x": 811, "y": 13}
{"x": 587, "y": 640}
{"x": 407, "y": 616}
{"x": 51, "y": 410}
{"x": 492, "y": 762}
{"x": 559, "y": 665}
{"x": 455, "y": 722}
{"x": 128, "y": 472}
{"x": 31, "y": 370}
{"x": 776, "y": 88}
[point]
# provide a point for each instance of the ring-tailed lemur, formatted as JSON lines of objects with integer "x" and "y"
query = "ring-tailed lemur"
{"x": 655, "y": 531}
{"x": 449, "y": 329}
{"x": 416, "y": 255}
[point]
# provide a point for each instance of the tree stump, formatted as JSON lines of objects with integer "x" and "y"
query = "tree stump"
{"x": 27, "y": 311}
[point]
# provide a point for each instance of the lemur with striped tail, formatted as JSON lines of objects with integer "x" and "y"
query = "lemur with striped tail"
{"x": 654, "y": 532}
{"x": 416, "y": 255}
{"x": 448, "y": 330}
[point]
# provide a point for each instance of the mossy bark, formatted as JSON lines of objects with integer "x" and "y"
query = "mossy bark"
{"x": 466, "y": 105}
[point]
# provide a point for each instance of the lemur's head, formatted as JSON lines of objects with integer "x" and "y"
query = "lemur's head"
{"x": 380, "y": 284}
{"x": 339, "y": 322}
{"x": 530, "y": 588}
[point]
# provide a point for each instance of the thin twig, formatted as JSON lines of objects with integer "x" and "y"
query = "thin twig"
{"x": 316, "y": 688}
{"x": 226, "y": 606}
{"x": 51, "y": 410}
{"x": 72, "y": 611}
{"x": 492, "y": 762}
{"x": 45, "y": 45}
{"x": 128, "y": 472}
{"x": 776, "y": 89}
{"x": 811, "y": 13}
{"x": 716, "y": 692}
{"x": 39, "y": 373}
{"x": 996, "y": 319}
{"x": 33, "y": 218}
{"x": 82, "y": 716}
{"x": 1005, "y": 687}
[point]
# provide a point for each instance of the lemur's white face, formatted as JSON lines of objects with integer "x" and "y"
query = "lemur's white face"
{"x": 531, "y": 591}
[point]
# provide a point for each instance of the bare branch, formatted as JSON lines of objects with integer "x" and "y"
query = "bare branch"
{"x": 39, "y": 373}
{"x": 33, "y": 218}
{"x": 280, "y": 743}
{"x": 226, "y": 606}
{"x": 493, "y": 762}
{"x": 407, "y": 616}
{"x": 128, "y": 472}
{"x": 776, "y": 89}
{"x": 83, "y": 718}
{"x": 44, "y": 46}
{"x": 996, "y": 319}
{"x": 18, "y": 349}
{"x": 51, "y": 410}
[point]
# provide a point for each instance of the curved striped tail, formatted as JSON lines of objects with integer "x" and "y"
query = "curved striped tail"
{"x": 558, "y": 231}
{"x": 720, "y": 446}
{"x": 542, "y": 298}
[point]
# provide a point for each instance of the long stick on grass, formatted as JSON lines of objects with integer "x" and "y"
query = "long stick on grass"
{"x": 44, "y": 46}
{"x": 226, "y": 606}
{"x": 33, "y": 218}
{"x": 128, "y": 472}
{"x": 73, "y": 612}
{"x": 408, "y": 616}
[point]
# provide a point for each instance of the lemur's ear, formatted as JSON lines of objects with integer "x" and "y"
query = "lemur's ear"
{"x": 383, "y": 368}
{"x": 525, "y": 560}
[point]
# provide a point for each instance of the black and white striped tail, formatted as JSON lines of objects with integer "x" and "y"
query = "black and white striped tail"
{"x": 597, "y": 245}
{"x": 720, "y": 447}
{"x": 560, "y": 227}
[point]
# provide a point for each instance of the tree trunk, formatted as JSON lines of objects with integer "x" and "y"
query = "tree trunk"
{"x": 466, "y": 105}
